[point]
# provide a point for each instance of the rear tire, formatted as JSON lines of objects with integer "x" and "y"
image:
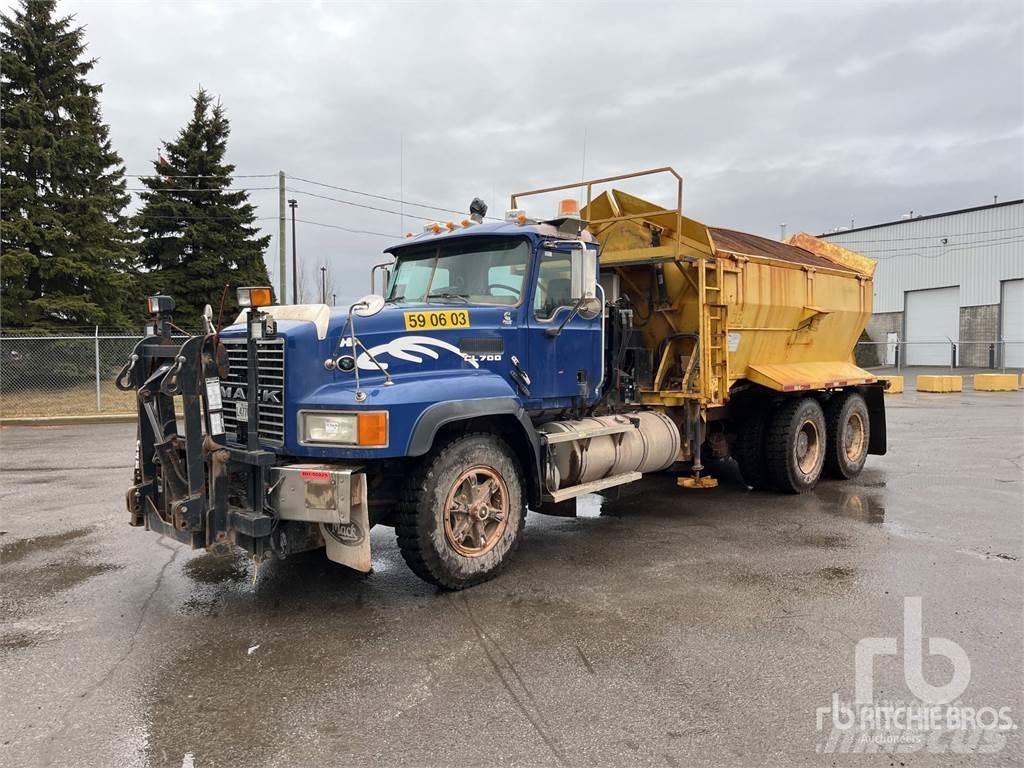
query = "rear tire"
{"x": 796, "y": 446}
{"x": 848, "y": 430}
{"x": 749, "y": 450}
{"x": 463, "y": 513}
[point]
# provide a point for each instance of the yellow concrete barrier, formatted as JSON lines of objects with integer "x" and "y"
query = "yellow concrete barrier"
{"x": 895, "y": 384}
{"x": 940, "y": 383}
{"x": 996, "y": 382}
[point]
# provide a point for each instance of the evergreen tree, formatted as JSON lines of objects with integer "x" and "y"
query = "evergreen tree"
{"x": 197, "y": 234}
{"x": 65, "y": 253}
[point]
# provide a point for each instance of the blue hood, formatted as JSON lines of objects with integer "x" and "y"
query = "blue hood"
{"x": 426, "y": 366}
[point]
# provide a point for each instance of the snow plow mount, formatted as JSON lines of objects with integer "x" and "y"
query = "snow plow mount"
{"x": 184, "y": 466}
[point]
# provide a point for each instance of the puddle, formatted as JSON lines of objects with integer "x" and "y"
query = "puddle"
{"x": 852, "y": 504}
{"x": 27, "y": 590}
{"x": 824, "y": 540}
{"x": 219, "y": 569}
{"x": 16, "y": 550}
{"x": 836, "y": 573}
{"x": 15, "y": 641}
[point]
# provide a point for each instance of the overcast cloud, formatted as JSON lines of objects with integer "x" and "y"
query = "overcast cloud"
{"x": 804, "y": 113}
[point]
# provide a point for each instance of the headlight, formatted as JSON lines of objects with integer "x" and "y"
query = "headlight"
{"x": 368, "y": 429}
{"x": 329, "y": 428}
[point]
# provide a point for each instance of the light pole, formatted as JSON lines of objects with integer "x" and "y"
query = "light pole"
{"x": 323, "y": 285}
{"x": 293, "y": 204}
{"x": 334, "y": 299}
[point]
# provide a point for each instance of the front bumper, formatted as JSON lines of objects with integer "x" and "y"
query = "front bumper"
{"x": 194, "y": 486}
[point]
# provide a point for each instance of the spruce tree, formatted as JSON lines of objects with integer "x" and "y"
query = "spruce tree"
{"x": 65, "y": 252}
{"x": 197, "y": 234}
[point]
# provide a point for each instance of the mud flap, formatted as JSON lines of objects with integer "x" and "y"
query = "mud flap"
{"x": 349, "y": 543}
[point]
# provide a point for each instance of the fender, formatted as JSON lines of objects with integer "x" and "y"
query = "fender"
{"x": 874, "y": 398}
{"x": 440, "y": 414}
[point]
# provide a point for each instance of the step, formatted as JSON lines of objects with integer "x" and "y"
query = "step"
{"x": 562, "y": 494}
{"x": 553, "y": 438}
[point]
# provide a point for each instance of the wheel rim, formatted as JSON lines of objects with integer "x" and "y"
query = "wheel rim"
{"x": 476, "y": 511}
{"x": 854, "y": 438}
{"x": 808, "y": 447}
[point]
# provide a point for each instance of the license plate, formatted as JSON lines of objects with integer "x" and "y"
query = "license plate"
{"x": 241, "y": 412}
{"x": 436, "y": 320}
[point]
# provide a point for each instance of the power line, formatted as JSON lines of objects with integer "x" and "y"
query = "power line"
{"x": 377, "y": 197}
{"x": 357, "y": 205}
{"x": 921, "y": 237}
{"x": 948, "y": 250}
{"x": 948, "y": 246}
{"x": 348, "y": 229}
{"x": 194, "y": 218}
{"x": 200, "y": 176}
{"x": 193, "y": 189}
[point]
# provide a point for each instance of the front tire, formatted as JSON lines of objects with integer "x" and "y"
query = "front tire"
{"x": 848, "y": 428}
{"x": 796, "y": 446}
{"x": 463, "y": 512}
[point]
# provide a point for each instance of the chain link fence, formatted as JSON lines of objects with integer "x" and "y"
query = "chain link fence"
{"x": 993, "y": 355}
{"x": 64, "y": 375}
{"x": 73, "y": 374}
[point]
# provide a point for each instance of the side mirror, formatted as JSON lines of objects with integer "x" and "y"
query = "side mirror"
{"x": 583, "y": 278}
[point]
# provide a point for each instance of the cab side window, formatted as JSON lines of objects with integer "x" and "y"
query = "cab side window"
{"x": 554, "y": 285}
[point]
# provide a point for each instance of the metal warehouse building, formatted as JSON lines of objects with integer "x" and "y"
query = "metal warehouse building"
{"x": 944, "y": 279}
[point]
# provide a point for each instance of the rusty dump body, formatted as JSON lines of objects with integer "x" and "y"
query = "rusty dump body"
{"x": 718, "y": 307}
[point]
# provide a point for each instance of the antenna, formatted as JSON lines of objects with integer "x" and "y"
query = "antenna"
{"x": 401, "y": 178}
{"x": 583, "y": 166}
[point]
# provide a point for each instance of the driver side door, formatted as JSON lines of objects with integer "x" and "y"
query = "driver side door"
{"x": 565, "y": 366}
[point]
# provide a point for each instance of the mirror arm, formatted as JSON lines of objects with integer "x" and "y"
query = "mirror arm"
{"x": 552, "y": 332}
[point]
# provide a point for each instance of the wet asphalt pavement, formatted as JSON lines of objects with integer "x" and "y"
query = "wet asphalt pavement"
{"x": 669, "y": 627}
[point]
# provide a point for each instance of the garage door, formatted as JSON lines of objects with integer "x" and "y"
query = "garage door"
{"x": 932, "y": 316}
{"x": 1012, "y": 331}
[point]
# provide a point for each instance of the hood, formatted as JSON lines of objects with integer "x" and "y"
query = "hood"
{"x": 405, "y": 340}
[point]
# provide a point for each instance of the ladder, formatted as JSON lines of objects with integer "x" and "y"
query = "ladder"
{"x": 714, "y": 359}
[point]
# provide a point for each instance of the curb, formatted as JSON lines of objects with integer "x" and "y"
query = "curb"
{"x": 62, "y": 421}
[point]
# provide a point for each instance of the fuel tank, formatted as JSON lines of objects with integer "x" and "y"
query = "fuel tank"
{"x": 647, "y": 441}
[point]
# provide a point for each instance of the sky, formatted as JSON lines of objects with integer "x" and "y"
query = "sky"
{"x": 809, "y": 114}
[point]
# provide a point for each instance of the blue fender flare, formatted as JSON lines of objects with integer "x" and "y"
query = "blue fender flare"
{"x": 441, "y": 414}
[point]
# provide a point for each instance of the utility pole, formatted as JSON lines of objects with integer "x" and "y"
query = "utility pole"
{"x": 323, "y": 285}
{"x": 282, "y": 295}
{"x": 293, "y": 204}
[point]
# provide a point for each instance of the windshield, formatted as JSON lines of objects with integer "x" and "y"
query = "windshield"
{"x": 490, "y": 271}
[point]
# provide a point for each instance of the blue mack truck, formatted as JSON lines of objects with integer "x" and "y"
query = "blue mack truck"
{"x": 494, "y": 374}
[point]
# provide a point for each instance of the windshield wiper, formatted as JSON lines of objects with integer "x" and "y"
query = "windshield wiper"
{"x": 395, "y": 299}
{"x": 463, "y": 297}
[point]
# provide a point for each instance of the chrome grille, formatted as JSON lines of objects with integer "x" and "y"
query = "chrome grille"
{"x": 270, "y": 379}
